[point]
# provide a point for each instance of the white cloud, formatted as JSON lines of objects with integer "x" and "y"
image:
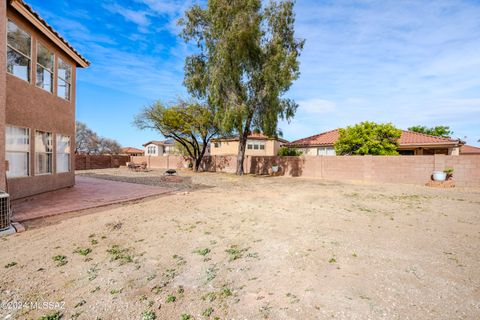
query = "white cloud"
{"x": 316, "y": 106}
{"x": 138, "y": 17}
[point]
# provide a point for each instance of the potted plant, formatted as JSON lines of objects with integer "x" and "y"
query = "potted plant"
{"x": 439, "y": 176}
{"x": 449, "y": 173}
{"x": 274, "y": 167}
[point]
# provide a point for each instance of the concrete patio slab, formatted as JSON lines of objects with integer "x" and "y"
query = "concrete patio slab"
{"x": 87, "y": 193}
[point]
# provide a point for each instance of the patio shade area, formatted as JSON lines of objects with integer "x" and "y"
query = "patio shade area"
{"x": 87, "y": 193}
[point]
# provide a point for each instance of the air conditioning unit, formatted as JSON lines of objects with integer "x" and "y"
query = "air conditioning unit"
{"x": 5, "y": 212}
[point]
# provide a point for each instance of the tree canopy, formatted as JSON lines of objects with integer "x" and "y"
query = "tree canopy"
{"x": 439, "y": 131}
{"x": 247, "y": 59}
{"x": 87, "y": 141}
{"x": 368, "y": 138}
{"x": 190, "y": 124}
{"x": 289, "y": 152}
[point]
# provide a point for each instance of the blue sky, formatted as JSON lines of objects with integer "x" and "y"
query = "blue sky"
{"x": 406, "y": 62}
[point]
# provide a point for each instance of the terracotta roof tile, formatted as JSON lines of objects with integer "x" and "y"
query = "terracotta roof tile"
{"x": 131, "y": 150}
{"x": 407, "y": 138}
{"x": 466, "y": 149}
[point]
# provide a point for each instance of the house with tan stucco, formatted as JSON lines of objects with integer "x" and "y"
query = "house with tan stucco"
{"x": 257, "y": 145}
{"x": 409, "y": 143}
{"x": 37, "y": 103}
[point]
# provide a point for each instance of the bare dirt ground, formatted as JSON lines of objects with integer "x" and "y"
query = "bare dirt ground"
{"x": 256, "y": 248}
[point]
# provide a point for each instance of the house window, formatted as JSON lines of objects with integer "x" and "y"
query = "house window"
{"x": 151, "y": 150}
{"x": 64, "y": 79}
{"x": 326, "y": 151}
{"x": 44, "y": 68}
{"x": 43, "y": 152}
{"x": 17, "y": 149}
{"x": 19, "y": 47}
{"x": 217, "y": 144}
{"x": 63, "y": 153}
{"x": 255, "y": 145}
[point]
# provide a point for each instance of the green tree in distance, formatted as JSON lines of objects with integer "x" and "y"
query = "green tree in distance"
{"x": 247, "y": 59}
{"x": 190, "y": 124}
{"x": 368, "y": 138}
{"x": 439, "y": 131}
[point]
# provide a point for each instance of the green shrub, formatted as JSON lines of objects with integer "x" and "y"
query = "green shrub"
{"x": 289, "y": 152}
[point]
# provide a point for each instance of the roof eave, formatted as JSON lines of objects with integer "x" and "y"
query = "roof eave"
{"x": 28, "y": 13}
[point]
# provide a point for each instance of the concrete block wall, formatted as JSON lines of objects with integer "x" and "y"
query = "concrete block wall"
{"x": 396, "y": 169}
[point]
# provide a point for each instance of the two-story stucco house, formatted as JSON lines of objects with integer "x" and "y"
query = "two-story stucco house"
{"x": 37, "y": 103}
{"x": 160, "y": 148}
{"x": 257, "y": 145}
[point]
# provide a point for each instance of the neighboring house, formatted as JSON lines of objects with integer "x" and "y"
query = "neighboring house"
{"x": 37, "y": 103}
{"x": 466, "y": 149}
{"x": 257, "y": 145}
{"x": 160, "y": 148}
{"x": 133, "y": 152}
{"x": 410, "y": 143}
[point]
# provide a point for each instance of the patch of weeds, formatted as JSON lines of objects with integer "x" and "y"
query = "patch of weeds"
{"x": 116, "y": 291}
{"x": 211, "y": 273}
{"x": 180, "y": 260}
{"x": 52, "y": 316}
{"x": 332, "y": 260}
{"x": 148, "y": 315}
{"x": 94, "y": 242}
{"x": 143, "y": 298}
{"x": 170, "y": 298}
{"x": 202, "y": 251}
{"x": 293, "y": 298}
{"x": 207, "y": 312}
{"x": 253, "y": 255}
{"x": 75, "y": 315}
{"x": 180, "y": 290}
{"x": 81, "y": 303}
{"x": 354, "y": 255}
{"x": 151, "y": 277}
{"x": 158, "y": 288}
{"x": 60, "y": 260}
{"x": 170, "y": 274}
{"x": 120, "y": 254}
{"x": 10, "y": 264}
{"x": 114, "y": 226}
{"x": 92, "y": 273}
{"x": 95, "y": 290}
{"x": 82, "y": 251}
{"x": 235, "y": 252}
{"x": 265, "y": 311}
{"x": 186, "y": 316}
{"x": 225, "y": 291}
{"x": 210, "y": 297}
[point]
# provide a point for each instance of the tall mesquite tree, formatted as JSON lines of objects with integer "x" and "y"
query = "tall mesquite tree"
{"x": 246, "y": 61}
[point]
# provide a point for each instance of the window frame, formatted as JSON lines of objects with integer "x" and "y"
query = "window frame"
{"x": 36, "y": 173}
{"x": 52, "y": 72}
{"x": 29, "y": 152}
{"x": 64, "y": 80}
{"x": 29, "y": 74}
{"x": 57, "y": 153}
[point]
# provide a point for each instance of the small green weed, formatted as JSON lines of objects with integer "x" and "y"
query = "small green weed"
{"x": 60, "y": 260}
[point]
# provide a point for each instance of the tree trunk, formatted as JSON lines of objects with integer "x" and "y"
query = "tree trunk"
{"x": 242, "y": 144}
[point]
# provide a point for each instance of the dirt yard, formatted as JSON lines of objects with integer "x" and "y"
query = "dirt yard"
{"x": 255, "y": 248}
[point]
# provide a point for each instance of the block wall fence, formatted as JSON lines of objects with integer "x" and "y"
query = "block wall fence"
{"x": 87, "y": 161}
{"x": 399, "y": 169}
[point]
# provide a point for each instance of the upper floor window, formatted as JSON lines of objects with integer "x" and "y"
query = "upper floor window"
{"x": 64, "y": 79}
{"x": 151, "y": 150}
{"x": 17, "y": 151}
{"x": 44, "y": 68}
{"x": 19, "y": 48}
{"x": 255, "y": 145}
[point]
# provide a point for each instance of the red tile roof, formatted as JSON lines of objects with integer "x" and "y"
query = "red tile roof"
{"x": 407, "y": 138}
{"x": 131, "y": 150}
{"x": 466, "y": 149}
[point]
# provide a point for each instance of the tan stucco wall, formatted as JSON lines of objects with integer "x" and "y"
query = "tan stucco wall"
{"x": 3, "y": 77}
{"x": 231, "y": 148}
{"x": 37, "y": 109}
